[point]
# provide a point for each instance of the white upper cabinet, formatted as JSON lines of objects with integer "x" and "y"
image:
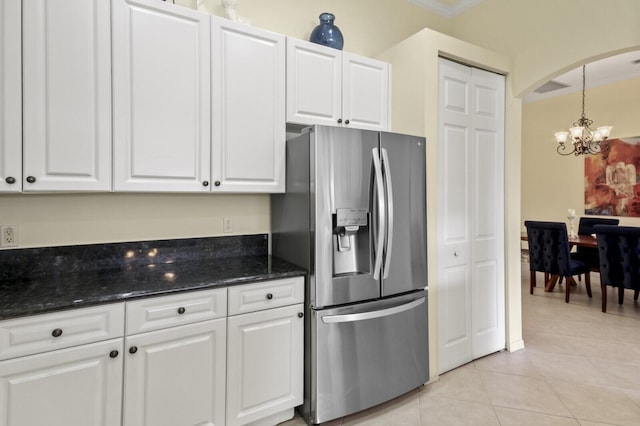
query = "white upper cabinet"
{"x": 365, "y": 92}
{"x": 314, "y": 83}
{"x": 66, "y": 58}
{"x": 161, "y": 95}
{"x": 331, "y": 87}
{"x": 248, "y": 86}
{"x": 10, "y": 97}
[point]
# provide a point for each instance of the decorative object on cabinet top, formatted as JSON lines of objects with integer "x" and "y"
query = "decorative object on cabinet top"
{"x": 230, "y": 13}
{"x": 327, "y": 33}
{"x": 39, "y": 280}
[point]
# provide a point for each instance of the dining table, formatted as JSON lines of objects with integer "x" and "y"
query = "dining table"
{"x": 578, "y": 241}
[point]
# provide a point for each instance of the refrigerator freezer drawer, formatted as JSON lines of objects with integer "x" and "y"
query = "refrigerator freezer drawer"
{"x": 367, "y": 354}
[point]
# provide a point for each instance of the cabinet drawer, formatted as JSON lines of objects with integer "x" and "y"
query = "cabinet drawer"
{"x": 168, "y": 311}
{"x": 265, "y": 295}
{"x": 42, "y": 333}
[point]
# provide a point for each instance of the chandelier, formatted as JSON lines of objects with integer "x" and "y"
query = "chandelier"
{"x": 584, "y": 140}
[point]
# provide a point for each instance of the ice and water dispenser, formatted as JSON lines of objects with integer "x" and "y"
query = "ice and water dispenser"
{"x": 351, "y": 241}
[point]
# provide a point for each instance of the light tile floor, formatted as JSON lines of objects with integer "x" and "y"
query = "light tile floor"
{"x": 579, "y": 367}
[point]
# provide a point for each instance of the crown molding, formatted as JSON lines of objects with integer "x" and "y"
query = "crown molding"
{"x": 444, "y": 9}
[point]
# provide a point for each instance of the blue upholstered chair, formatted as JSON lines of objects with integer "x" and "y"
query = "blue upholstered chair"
{"x": 586, "y": 227}
{"x": 549, "y": 252}
{"x": 619, "y": 249}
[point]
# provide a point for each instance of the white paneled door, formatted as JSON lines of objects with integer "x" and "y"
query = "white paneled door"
{"x": 471, "y": 283}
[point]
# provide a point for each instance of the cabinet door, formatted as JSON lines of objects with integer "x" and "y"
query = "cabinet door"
{"x": 10, "y": 97}
{"x": 66, "y": 55}
{"x": 265, "y": 364}
{"x": 176, "y": 376}
{"x": 314, "y": 83}
{"x": 161, "y": 95}
{"x": 248, "y": 85}
{"x": 365, "y": 92}
{"x": 80, "y": 386}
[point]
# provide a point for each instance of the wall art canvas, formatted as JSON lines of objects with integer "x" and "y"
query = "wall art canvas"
{"x": 612, "y": 184}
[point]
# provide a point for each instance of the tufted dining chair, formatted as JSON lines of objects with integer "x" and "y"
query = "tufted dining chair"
{"x": 619, "y": 249}
{"x": 586, "y": 227}
{"x": 549, "y": 252}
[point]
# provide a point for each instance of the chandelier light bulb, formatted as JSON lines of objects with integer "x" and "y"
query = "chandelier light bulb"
{"x": 576, "y": 132}
{"x": 561, "y": 137}
{"x": 605, "y": 131}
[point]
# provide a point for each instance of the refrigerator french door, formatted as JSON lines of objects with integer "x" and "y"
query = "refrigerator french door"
{"x": 354, "y": 215}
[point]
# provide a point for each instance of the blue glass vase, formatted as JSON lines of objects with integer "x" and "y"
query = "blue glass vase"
{"x": 327, "y": 33}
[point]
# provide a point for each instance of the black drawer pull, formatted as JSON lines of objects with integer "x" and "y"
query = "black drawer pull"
{"x": 113, "y": 354}
{"x": 10, "y": 180}
{"x": 133, "y": 349}
{"x": 300, "y": 314}
{"x": 57, "y": 332}
{"x": 269, "y": 296}
{"x": 181, "y": 310}
{"x": 31, "y": 179}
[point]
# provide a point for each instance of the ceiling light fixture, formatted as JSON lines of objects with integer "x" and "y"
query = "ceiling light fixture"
{"x": 583, "y": 138}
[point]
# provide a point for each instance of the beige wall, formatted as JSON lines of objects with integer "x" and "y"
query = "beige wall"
{"x": 545, "y": 38}
{"x": 64, "y": 219}
{"x": 551, "y": 183}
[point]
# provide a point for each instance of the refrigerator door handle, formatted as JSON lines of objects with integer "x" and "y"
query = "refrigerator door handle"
{"x": 377, "y": 167}
{"x": 389, "y": 189}
{"x": 328, "y": 319}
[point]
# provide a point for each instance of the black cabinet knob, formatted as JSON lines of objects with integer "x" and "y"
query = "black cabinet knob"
{"x": 10, "y": 180}
{"x": 269, "y": 296}
{"x": 347, "y": 122}
{"x": 113, "y": 354}
{"x": 300, "y": 314}
{"x": 133, "y": 349}
{"x": 57, "y": 332}
{"x": 217, "y": 183}
{"x": 181, "y": 310}
{"x": 31, "y": 179}
{"x": 205, "y": 183}
{"x": 339, "y": 120}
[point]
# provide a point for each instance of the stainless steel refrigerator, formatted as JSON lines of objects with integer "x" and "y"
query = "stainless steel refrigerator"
{"x": 354, "y": 215}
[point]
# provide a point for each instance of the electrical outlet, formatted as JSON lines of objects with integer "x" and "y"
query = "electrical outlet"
{"x": 9, "y": 236}
{"x": 227, "y": 225}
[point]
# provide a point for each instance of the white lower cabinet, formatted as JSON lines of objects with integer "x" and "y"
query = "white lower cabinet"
{"x": 189, "y": 359}
{"x": 176, "y": 376}
{"x": 264, "y": 365}
{"x": 265, "y": 351}
{"x": 79, "y": 386}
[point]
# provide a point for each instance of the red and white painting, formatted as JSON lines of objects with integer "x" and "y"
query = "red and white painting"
{"x": 611, "y": 181}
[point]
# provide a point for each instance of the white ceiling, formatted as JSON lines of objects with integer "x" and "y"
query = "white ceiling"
{"x": 605, "y": 71}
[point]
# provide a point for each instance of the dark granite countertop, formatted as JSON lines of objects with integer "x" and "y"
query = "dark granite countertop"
{"x": 28, "y": 286}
